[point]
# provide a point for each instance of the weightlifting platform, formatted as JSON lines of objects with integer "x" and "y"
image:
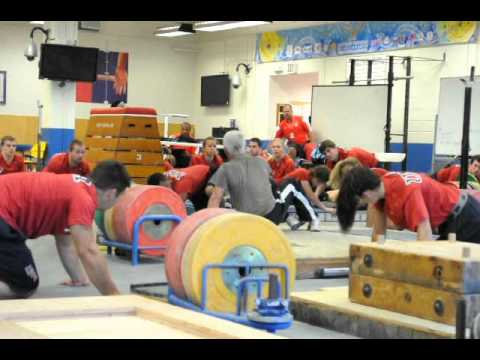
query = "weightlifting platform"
{"x": 401, "y": 289}
{"x": 331, "y": 308}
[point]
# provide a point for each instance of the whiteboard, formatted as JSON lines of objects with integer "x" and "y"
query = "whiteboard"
{"x": 351, "y": 115}
{"x": 449, "y": 127}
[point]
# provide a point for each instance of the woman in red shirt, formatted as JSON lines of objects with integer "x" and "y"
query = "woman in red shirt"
{"x": 412, "y": 201}
{"x": 209, "y": 155}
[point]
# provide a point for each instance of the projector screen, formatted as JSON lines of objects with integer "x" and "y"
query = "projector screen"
{"x": 351, "y": 115}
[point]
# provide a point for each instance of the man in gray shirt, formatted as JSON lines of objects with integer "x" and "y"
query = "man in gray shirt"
{"x": 246, "y": 179}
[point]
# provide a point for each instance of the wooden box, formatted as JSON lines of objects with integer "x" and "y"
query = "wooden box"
{"x": 123, "y": 125}
{"x": 139, "y": 157}
{"x": 423, "y": 279}
{"x": 96, "y": 155}
{"x": 109, "y": 143}
{"x": 143, "y": 171}
{"x": 125, "y": 157}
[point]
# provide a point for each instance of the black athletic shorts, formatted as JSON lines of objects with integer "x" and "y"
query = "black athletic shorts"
{"x": 17, "y": 268}
{"x": 466, "y": 225}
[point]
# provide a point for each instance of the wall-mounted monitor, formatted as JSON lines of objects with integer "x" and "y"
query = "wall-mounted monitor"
{"x": 215, "y": 90}
{"x": 64, "y": 62}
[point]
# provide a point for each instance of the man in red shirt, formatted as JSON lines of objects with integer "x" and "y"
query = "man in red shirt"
{"x": 334, "y": 154}
{"x": 70, "y": 162}
{"x": 37, "y": 204}
{"x": 255, "y": 149}
{"x": 293, "y": 128}
{"x": 10, "y": 162}
{"x": 209, "y": 155}
{"x": 412, "y": 201}
{"x": 280, "y": 163}
{"x": 452, "y": 173}
{"x": 189, "y": 183}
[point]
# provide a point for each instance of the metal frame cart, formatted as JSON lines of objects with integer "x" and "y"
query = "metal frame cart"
{"x": 135, "y": 247}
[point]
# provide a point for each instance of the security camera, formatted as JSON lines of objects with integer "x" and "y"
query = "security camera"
{"x": 31, "y": 51}
{"x": 236, "y": 81}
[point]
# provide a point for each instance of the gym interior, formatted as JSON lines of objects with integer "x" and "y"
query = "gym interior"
{"x": 240, "y": 219}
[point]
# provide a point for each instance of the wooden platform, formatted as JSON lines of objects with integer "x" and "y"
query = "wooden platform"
{"x": 314, "y": 250}
{"x": 113, "y": 317}
{"x": 331, "y": 308}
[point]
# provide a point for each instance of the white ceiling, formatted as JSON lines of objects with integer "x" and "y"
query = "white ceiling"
{"x": 147, "y": 28}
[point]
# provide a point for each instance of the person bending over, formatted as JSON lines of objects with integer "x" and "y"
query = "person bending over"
{"x": 334, "y": 154}
{"x": 189, "y": 183}
{"x": 71, "y": 162}
{"x": 37, "y": 204}
{"x": 339, "y": 172}
{"x": 306, "y": 180}
{"x": 451, "y": 173}
{"x": 246, "y": 179}
{"x": 10, "y": 161}
{"x": 412, "y": 201}
{"x": 280, "y": 163}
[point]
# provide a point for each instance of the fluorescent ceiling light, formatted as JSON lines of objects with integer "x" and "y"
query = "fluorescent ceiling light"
{"x": 174, "y": 31}
{"x": 173, "y": 34}
{"x": 37, "y": 22}
{"x": 227, "y": 25}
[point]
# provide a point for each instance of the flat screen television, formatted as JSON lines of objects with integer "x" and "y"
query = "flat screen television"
{"x": 215, "y": 90}
{"x": 64, "y": 62}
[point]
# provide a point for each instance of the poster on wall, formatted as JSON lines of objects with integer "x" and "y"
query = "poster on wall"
{"x": 112, "y": 80}
{"x": 357, "y": 37}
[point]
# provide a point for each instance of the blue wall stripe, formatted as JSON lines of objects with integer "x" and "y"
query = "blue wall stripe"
{"x": 419, "y": 157}
{"x": 57, "y": 139}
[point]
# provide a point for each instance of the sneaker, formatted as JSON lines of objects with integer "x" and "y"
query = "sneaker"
{"x": 293, "y": 222}
{"x": 314, "y": 225}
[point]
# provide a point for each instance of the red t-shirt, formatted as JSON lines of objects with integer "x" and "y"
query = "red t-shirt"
{"x": 296, "y": 130}
{"x": 17, "y": 165}
{"x": 58, "y": 164}
{"x": 451, "y": 173}
{"x": 188, "y": 180}
{"x": 300, "y": 174}
{"x": 202, "y": 160}
{"x": 411, "y": 198}
{"x": 38, "y": 204}
{"x": 366, "y": 158}
{"x": 379, "y": 171}
{"x": 309, "y": 148}
{"x": 281, "y": 168}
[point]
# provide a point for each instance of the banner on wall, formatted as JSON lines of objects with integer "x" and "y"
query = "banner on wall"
{"x": 361, "y": 37}
{"x": 112, "y": 80}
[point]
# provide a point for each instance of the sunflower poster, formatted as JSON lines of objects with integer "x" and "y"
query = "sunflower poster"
{"x": 361, "y": 37}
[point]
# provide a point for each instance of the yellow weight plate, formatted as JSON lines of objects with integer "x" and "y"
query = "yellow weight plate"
{"x": 226, "y": 239}
{"x": 109, "y": 229}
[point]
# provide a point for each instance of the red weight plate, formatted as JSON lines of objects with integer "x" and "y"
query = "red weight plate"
{"x": 179, "y": 239}
{"x": 147, "y": 200}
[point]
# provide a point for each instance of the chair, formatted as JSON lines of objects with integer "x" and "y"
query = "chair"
{"x": 32, "y": 157}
